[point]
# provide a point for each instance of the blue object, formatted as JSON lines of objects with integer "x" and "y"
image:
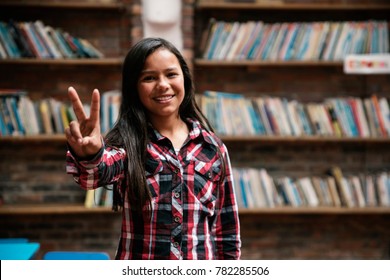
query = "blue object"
{"x": 18, "y": 251}
{"x": 13, "y": 240}
{"x": 69, "y": 255}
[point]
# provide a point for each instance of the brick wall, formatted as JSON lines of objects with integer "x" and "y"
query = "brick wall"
{"x": 266, "y": 236}
{"x": 34, "y": 172}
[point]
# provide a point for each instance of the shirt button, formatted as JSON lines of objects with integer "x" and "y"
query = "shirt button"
{"x": 175, "y": 244}
{"x": 177, "y": 219}
{"x": 176, "y": 171}
{"x": 176, "y": 195}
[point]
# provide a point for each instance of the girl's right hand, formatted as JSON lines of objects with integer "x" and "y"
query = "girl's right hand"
{"x": 84, "y": 135}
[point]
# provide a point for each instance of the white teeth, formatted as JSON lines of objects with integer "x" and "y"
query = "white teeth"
{"x": 164, "y": 98}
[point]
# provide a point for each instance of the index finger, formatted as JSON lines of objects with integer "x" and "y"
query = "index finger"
{"x": 76, "y": 104}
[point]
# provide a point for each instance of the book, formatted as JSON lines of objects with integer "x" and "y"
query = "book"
{"x": 110, "y": 103}
{"x": 8, "y": 41}
{"x": 308, "y": 190}
{"x": 269, "y": 188}
{"x": 383, "y": 185}
{"x": 47, "y": 40}
{"x": 37, "y": 40}
{"x": 12, "y": 104}
{"x": 357, "y": 191}
{"x": 370, "y": 190}
{"x": 45, "y": 116}
{"x": 384, "y": 109}
{"x": 331, "y": 181}
{"x": 343, "y": 187}
{"x": 260, "y": 199}
{"x": 29, "y": 39}
{"x": 28, "y": 116}
{"x": 6, "y": 117}
{"x": 20, "y": 39}
{"x": 93, "y": 198}
{"x": 378, "y": 115}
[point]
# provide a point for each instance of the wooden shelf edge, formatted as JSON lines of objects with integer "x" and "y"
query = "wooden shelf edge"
{"x": 33, "y": 138}
{"x": 260, "y": 63}
{"x": 279, "y": 5}
{"x": 64, "y": 62}
{"x": 256, "y": 138}
{"x": 64, "y": 5}
{"x": 316, "y": 210}
{"x": 304, "y": 139}
{"x": 58, "y": 209}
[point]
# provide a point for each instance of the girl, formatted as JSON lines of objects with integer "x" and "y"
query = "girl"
{"x": 171, "y": 174}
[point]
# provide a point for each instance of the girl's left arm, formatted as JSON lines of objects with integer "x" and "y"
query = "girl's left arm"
{"x": 227, "y": 226}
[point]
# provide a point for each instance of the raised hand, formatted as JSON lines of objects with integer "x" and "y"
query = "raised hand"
{"x": 84, "y": 134}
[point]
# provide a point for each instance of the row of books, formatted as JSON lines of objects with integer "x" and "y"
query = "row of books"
{"x": 37, "y": 40}
{"x": 19, "y": 115}
{"x": 235, "y": 114}
{"x": 256, "y": 188}
{"x": 283, "y": 41}
{"x": 229, "y": 113}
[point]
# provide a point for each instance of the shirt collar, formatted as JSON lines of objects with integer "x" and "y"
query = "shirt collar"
{"x": 196, "y": 130}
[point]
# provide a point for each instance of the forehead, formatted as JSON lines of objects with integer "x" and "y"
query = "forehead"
{"x": 161, "y": 58}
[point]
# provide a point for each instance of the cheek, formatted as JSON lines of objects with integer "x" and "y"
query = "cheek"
{"x": 143, "y": 92}
{"x": 179, "y": 88}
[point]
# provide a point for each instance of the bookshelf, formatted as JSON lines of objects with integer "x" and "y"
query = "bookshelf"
{"x": 112, "y": 38}
{"x": 40, "y": 200}
{"x": 302, "y": 80}
{"x": 105, "y": 24}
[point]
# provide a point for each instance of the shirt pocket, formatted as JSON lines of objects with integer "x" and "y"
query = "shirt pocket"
{"x": 206, "y": 181}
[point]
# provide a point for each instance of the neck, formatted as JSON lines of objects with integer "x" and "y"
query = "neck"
{"x": 174, "y": 128}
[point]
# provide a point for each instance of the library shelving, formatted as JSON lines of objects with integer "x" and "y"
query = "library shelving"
{"x": 40, "y": 201}
{"x": 107, "y": 26}
{"x": 311, "y": 80}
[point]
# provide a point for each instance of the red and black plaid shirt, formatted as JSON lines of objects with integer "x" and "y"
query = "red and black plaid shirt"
{"x": 194, "y": 211}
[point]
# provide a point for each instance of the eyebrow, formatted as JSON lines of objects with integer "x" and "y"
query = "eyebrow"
{"x": 153, "y": 71}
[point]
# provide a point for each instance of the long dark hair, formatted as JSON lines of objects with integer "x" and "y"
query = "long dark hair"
{"x": 131, "y": 128}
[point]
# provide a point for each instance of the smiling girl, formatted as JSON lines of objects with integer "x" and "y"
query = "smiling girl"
{"x": 171, "y": 174}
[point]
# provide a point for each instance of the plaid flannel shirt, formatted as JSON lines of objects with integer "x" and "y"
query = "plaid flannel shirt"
{"x": 194, "y": 212}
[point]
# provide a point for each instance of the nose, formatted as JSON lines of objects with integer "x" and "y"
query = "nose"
{"x": 163, "y": 84}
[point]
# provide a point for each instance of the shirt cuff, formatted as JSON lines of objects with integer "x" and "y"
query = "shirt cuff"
{"x": 89, "y": 161}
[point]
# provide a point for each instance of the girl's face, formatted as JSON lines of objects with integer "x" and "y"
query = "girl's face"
{"x": 161, "y": 85}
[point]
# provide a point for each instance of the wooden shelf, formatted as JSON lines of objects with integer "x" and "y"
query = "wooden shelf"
{"x": 316, "y": 210}
{"x": 44, "y": 138}
{"x": 59, "y": 209}
{"x": 304, "y": 139}
{"x": 276, "y": 5}
{"x": 34, "y": 138}
{"x": 63, "y": 5}
{"x": 262, "y": 63}
{"x": 64, "y": 62}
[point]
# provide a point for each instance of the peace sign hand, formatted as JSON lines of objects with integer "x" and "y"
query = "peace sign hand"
{"x": 84, "y": 134}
